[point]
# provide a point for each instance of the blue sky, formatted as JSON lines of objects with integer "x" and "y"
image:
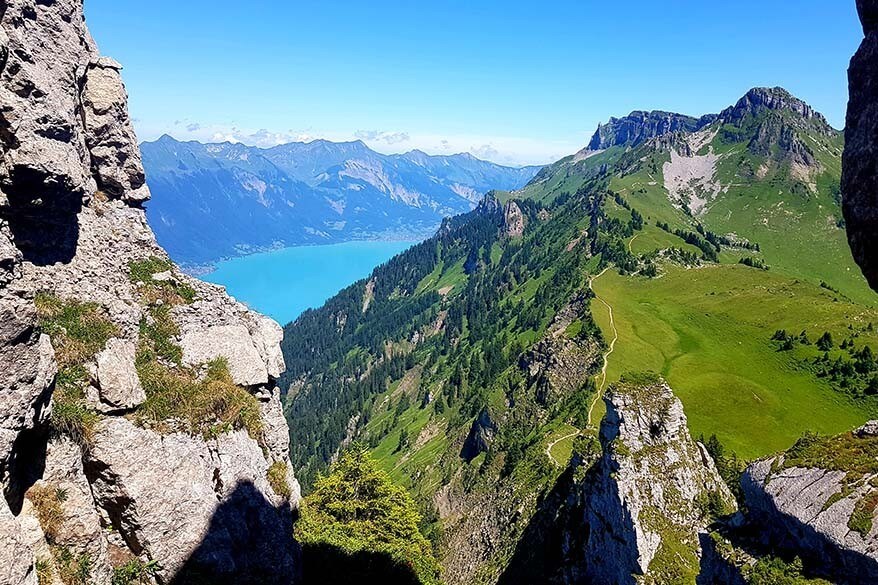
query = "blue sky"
{"x": 512, "y": 81}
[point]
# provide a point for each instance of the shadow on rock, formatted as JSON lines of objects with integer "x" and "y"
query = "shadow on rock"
{"x": 249, "y": 542}
{"x": 43, "y": 218}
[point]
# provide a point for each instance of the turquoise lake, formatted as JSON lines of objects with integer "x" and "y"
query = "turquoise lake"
{"x": 284, "y": 283}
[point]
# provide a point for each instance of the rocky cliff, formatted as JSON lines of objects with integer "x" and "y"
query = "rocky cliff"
{"x": 649, "y": 498}
{"x": 860, "y": 163}
{"x": 819, "y": 501}
{"x": 141, "y": 432}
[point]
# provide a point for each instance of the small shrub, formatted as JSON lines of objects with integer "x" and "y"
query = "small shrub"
{"x": 73, "y": 569}
{"x": 135, "y": 572}
{"x": 861, "y": 518}
{"x": 78, "y": 330}
{"x": 277, "y": 479}
{"x": 44, "y": 571}
{"x": 358, "y": 511}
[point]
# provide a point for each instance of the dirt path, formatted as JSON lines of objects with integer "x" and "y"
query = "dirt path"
{"x": 631, "y": 241}
{"x": 603, "y": 375}
{"x": 603, "y": 383}
{"x": 555, "y": 442}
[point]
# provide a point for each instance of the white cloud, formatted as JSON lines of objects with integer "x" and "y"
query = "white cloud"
{"x": 389, "y": 138}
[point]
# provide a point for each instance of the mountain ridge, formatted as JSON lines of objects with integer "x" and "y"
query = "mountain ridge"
{"x": 217, "y": 200}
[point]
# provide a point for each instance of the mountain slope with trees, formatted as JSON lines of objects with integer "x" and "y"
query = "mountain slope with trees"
{"x": 472, "y": 366}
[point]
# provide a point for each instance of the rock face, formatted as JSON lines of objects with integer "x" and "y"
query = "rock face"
{"x": 824, "y": 513}
{"x": 638, "y": 127}
{"x": 860, "y": 161}
{"x": 119, "y": 386}
{"x": 219, "y": 487}
{"x": 480, "y": 436}
{"x": 102, "y": 475}
{"x": 650, "y": 495}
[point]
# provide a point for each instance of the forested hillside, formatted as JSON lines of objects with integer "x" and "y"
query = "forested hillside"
{"x": 709, "y": 251}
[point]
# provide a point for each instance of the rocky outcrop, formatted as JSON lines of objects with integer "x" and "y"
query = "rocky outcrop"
{"x": 92, "y": 464}
{"x": 818, "y": 502}
{"x": 638, "y": 127}
{"x": 513, "y": 220}
{"x": 760, "y": 99}
{"x": 110, "y": 136}
{"x": 859, "y": 182}
{"x": 566, "y": 357}
{"x": 119, "y": 387}
{"x": 480, "y": 436}
{"x": 235, "y": 525}
{"x": 649, "y": 497}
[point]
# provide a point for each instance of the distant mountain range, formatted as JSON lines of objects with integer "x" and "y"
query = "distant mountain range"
{"x": 211, "y": 201}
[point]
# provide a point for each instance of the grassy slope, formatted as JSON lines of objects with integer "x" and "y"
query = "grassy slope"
{"x": 708, "y": 331}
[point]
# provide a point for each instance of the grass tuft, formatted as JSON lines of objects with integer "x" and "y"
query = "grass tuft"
{"x": 71, "y": 415}
{"x": 47, "y": 502}
{"x": 78, "y": 330}
{"x": 172, "y": 291}
{"x": 209, "y": 406}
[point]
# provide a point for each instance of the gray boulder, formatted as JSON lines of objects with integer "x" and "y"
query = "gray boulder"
{"x": 192, "y": 505}
{"x": 232, "y": 342}
{"x": 118, "y": 385}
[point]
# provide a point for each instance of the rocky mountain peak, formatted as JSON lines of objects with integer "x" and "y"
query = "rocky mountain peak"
{"x": 761, "y": 99}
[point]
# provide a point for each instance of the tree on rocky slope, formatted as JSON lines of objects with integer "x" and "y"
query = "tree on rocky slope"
{"x": 359, "y": 526}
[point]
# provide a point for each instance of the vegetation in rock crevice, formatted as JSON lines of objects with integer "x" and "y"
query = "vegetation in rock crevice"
{"x": 78, "y": 330}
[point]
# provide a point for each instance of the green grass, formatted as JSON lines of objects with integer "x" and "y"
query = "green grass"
{"x": 651, "y": 239}
{"x": 561, "y": 450}
{"x": 707, "y": 332}
{"x": 787, "y": 226}
{"x": 78, "y": 330}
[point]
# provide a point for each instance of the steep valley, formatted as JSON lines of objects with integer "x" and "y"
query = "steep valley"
{"x": 472, "y": 371}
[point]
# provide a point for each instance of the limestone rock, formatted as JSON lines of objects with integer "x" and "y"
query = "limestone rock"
{"x": 118, "y": 384}
{"x": 646, "y": 499}
{"x": 513, "y": 220}
{"x": 231, "y": 342}
{"x": 859, "y": 180}
{"x": 16, "y": 557}
{"x": 110, "y": 135}
{"x": 79, "y": 529}
{"x": 806, "y": 512}
{"x": 27, "y": 370}
{"x": 870, "y": 429}
{"x": 190, "y": 504}
{"x": 480, "y": 437}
